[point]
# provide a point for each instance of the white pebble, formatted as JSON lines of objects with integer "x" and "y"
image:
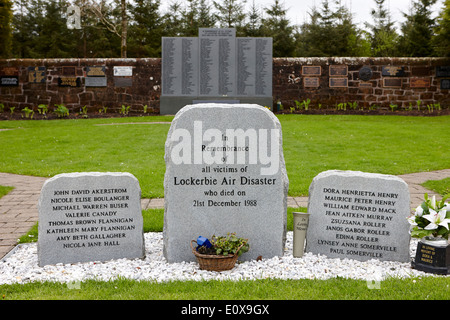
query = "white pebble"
{"x": 22, "y": 267}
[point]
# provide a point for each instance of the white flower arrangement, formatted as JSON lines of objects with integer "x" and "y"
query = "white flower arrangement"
{"x": 431, "y": 218}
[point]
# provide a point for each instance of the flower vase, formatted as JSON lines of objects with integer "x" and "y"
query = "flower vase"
{"x": 432, "y": 255}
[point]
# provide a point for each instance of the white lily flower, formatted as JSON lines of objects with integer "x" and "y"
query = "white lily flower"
{"x": 419, "y": 211}
{"x": 412, "y": 220}
{"x": 437, "y": 219}
{"x": 433, "y": 202}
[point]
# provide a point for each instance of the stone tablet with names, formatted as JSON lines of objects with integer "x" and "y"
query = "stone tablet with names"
{"x": 217, "y": 66}
{"x": 90, "y": 217}
{"x": 180, "y": 66}
{"x": 225, "y": 172}
{"x": 359, "y": 216}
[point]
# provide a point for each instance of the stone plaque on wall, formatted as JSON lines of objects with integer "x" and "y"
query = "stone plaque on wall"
{"x": 9, "y": 71}
{"x": 420, "y": 82}
{"x": 445, "y": 84}
{"x": 393, "y": 71}
{"x": 338, "y": 82}
{"x": 311, "y": 70}
{"x": 392, "y": 82}
{"x": 365, "y": 84}
{"x": 311, "y": 82}
{"x": 443, "y": 71}
{"x": 37, "y": 74}
{"x": 9, "y": 81}
{"x": 68, "y": 71}
{"x": 96, "y": 71}
{"x": 338, "y": 70}
{"x": 365, "y": 73}
{"x": 69, "y": 82}
{"x": 123, "y": 82}
{"x": 123, "y": 71}
{"x": 95, "y": 82}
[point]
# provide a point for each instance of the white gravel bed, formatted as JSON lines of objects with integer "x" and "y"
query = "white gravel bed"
{"x": 21, "y": 267}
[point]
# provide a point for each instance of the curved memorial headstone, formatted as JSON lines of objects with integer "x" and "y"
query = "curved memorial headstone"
{"x": 359, "y": 216}
{"x": 225, "y": 172}
{"x": 90, "y": 216}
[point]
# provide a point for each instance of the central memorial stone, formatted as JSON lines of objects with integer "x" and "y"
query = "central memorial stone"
{"x": 225, "y": 172}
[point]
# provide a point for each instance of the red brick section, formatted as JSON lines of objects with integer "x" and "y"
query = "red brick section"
{"x": 18, "y": 209}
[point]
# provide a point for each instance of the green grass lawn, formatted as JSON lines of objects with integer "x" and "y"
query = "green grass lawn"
{"x": 4, "y": 190}
{"x": 312, "y": 144}
{"x": 440, "y": 186}
{"x": 425, "y": 288}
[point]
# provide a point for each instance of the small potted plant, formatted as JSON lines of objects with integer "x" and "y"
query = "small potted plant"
{"x": 220, "y": 253}
{"x": 430, "y": 223}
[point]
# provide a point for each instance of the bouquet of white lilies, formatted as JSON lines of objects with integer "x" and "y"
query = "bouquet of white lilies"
{"x": 431, "y": 218}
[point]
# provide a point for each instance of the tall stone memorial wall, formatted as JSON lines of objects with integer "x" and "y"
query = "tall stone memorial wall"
{"x": 216, "y": 66}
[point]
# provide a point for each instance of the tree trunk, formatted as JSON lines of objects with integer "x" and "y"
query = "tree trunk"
{"x": 123, "y": 47}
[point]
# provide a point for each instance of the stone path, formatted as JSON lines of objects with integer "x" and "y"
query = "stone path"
{"x": 18, "y": 209}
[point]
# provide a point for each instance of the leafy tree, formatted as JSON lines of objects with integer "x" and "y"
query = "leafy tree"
{"x": 146, "y": 29}
{"x": 114, "y": 18}
{"x": 441, "y": 42}
{"x": 6, "y": 16}
{"x": 330, "y": 33}
{"x": 52, "y": 38}
{"x": 206, "y": 18}
{"x": 417, "y": 30}
{"x": 253, "y": 27}
{"x": 278, "y": 27}
{"x": 383, "y": 36}
{"x": 231, "y": 14}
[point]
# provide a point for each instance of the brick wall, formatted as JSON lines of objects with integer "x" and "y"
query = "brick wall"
{"x": 144, "y": 90}
{"x": 288, "y": 83}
